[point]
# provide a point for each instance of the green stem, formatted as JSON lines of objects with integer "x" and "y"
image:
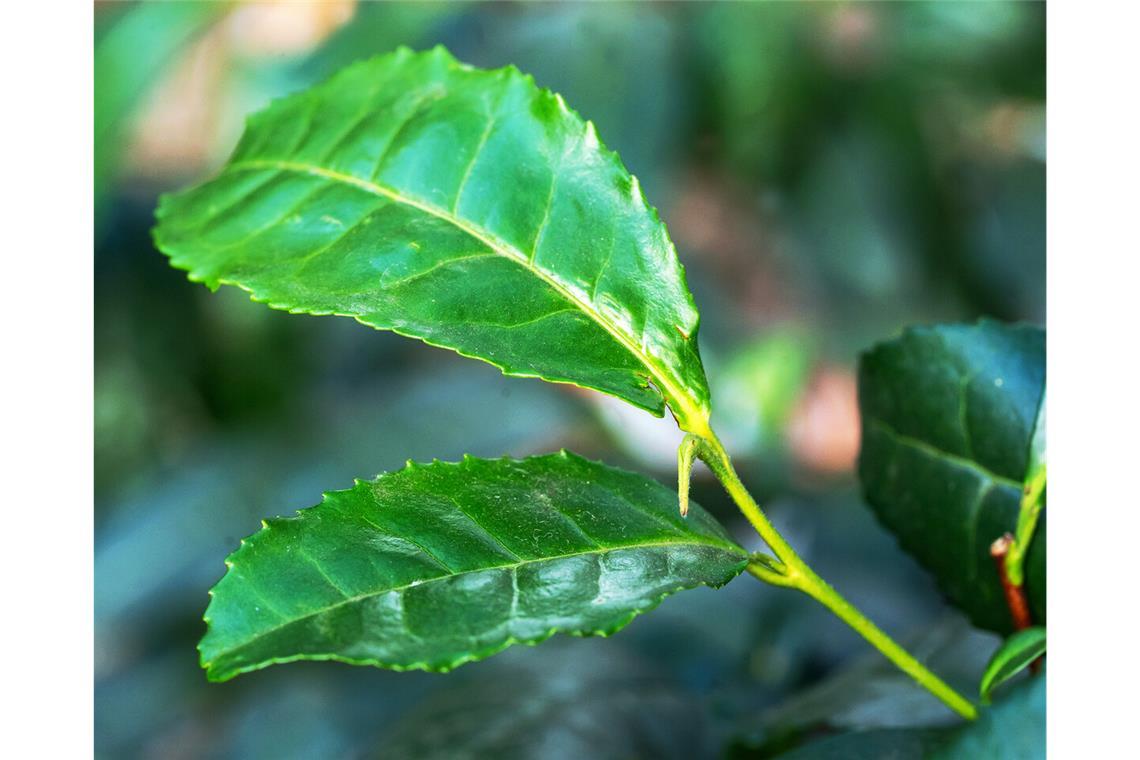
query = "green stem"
{"x": 1026, "y": 525}
{"x": 795, "y": 573}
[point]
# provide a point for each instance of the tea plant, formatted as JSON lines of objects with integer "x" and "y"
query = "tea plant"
{"x": 476, "y": 212}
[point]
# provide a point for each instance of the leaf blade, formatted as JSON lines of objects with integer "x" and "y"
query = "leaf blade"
{"x": 1014, "y": 655}
{"x": 437, "y": 565}
{"x": 413, "y": 193}
{"x": 948, "y": 415}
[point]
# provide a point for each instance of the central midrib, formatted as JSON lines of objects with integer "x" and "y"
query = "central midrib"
{"x": 668, "y": 388}
{"x": 512, "y": 566}
{"x": 937, "y": 453}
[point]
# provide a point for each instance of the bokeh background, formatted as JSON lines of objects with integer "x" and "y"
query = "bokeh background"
{"x": 829, "y": 173}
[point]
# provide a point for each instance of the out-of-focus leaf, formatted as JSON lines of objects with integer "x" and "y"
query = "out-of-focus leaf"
{"x": 758, "y": 389}
{"x": 759, "y": 84}
{"x": 1013, "y": 729}
{"x": 948, "y": 414}
{"x": 873, "y": 694}
{"x": 851, "y": 209}
{"x": 466, "y": 208}
{"x": 1014, "y": 655}
{"x": 437, "y": 565}
{"x": 1004, "y": 261}
{"x": 128, "y": 59}
{"x": 878, "y": 744}
{"x": 962, "y": 36}
{"x": 567, "y": 704}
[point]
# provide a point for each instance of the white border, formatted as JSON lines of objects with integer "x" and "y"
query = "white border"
{"x": 1093, "y": 298}
{"x": 46, "y": 565}
{"x": 1093, "y": 376}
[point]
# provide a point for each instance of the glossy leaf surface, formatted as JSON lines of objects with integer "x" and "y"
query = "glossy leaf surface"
{"x": 437, "y": 565}
{"x": 1014, "y": 655}
{"x": 467, "y": 208}
{"x": 948, "y": 415}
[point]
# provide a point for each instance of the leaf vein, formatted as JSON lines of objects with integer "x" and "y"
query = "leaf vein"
{"x": 506, "y": 566}
{"x": 669, "y": 388}
{"x": 301, "y": 551}
{"x": 411, "y": 541}
{"x": 933, "y": 451}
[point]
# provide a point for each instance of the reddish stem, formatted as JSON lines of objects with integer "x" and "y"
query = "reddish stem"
{"x": 1014, "y": 595}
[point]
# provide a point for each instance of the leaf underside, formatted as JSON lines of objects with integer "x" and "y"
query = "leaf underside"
{"x": 948, "y": 415}
{"x": 441, "y": 564}
{"x": 468, "y": 208}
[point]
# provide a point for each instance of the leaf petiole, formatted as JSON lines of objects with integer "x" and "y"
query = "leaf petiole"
{"x": 1032, "y": 500}
{"x": 1026, "y": 525}
{"x": 770, "y": 570}
{"x": 789, "y": 570}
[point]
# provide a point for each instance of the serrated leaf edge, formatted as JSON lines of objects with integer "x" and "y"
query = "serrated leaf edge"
{"x": 999, "y": 481}
{"x": 691, "y": 414}
{"x": 725, "y": 544}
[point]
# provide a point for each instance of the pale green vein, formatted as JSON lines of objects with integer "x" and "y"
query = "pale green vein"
{"x": 512, "y": 567}
{"x": 937, "y": 453}
{"x": 685, "y": 408}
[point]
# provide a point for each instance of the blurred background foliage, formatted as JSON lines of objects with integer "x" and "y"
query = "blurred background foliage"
{"x": 829, "y": 173}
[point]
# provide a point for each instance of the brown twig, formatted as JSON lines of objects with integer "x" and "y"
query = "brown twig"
{"x": 1014, "y": 595}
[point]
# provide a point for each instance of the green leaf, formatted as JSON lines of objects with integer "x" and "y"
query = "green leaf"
{"x": 467, "y": 208}
{"x": 871, "y": 693}
{"x": 948, "y": 414}
{"x": 876, "y": 744}
{"x": 1013, "y": 656}
{"x": 437, "y": 565}
{"x": 574, "y": 701}
{"x": 1013, "y": 729}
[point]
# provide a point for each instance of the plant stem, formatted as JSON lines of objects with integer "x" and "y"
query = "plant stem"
{"x": 797, "y": 574}
{"x": 1014, "y": 594}
{"x": 1026, "y": 523}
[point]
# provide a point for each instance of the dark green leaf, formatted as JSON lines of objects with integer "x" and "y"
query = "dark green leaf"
{"x": 874, "y": 694}
{"x": 1013, "y": 729}
{"x": 1037, "y": 445}
{"x": 948, "y": 414}
{"x": 437, "y": 565}
{"x": 1013, "y": 656}
{"x": 572, "y": 702}
{"x": 467, "y": 208}
{"x": 877, "y": 744}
